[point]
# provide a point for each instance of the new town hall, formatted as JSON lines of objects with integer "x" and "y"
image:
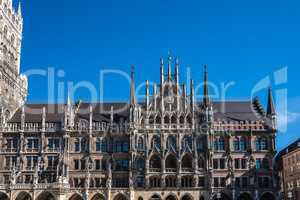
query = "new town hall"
{"x": 167, "y": 147}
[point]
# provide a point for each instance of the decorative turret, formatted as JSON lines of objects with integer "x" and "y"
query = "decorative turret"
{"x": 271, "y": 113}
{"x": 154, "y": 97}
{"x": 205, "y": 95}
{"x": 133, "y": 101}
{"x": 147, "y": 96}
{"x": 169, "y": 68}
{"x": 270, "y": 108}
{"x": 162, "y": 105}
{"x": 132, "y": 89}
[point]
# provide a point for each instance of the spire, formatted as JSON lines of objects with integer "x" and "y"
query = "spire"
{"x": 19, "y": 9}
{"x": 132, "y": 88}
{"x": 270, "y": 108}
{"x": 177, "y": 70}
{"x": 192, "y": 100}
{"x": 161, "y": 71}
{"x": 147, "y": 95}
{"x": 154, "y": 96}
{"x": 206, "y": 95}
{"x": 169, "y": 67}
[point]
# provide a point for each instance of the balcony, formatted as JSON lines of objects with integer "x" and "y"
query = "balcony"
{"x": 155, "y": 170}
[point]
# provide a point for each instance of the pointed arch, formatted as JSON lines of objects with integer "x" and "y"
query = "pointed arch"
{"x": 76, "y": 196}
{"x": 181, "y": 119}
{"x": 46, "y": 196}
{"x": 171, "y": 197}
{"x": 140, "y": 143}
{"x": 187, "y": 197}
{"x": 151, "y": 119}
{"x": 3, "y": 196}
{"x": 24, "y": 196}
{"x": 120, "y": 197}
{"x": 155, "y": 197}
{"x": 174, "y": 119}
{"x": 167, "y": 119}
{"x": 187, "y": 162}
{"x": 98, "y": 196}
{"x": 171, "y": 162}
{"x": 155, "y": 162}
{"x": 244, "y": 196}
{"x": 158, "y": 119}
{"x": 267, "y": 196}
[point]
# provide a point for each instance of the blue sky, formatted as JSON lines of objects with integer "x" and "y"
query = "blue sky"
{"x": 240, "y": 41}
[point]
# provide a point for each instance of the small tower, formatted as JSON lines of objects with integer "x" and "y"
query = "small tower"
{"x": 13, "y": 85}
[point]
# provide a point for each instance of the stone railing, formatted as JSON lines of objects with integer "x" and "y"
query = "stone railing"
{"x": 30, "y": 127}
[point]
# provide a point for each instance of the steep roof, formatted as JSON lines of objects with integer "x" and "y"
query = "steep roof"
{"x": 223, "y": 111}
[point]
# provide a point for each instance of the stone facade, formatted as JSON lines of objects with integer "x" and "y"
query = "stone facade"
{"x": 288, "y": 168}
{"x": 168, "y": 146}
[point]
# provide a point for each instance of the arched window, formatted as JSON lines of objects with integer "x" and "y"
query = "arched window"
{"x": 173, "y": 120}
{"x": 158, "y": 120}
{"x": 155, "y": 142}
{"x": 5, "y": 31}
{"x": 12, "y": 40}
{"x": 181, "y": 120}
{"x": 167, "y": 119}
{"x": 155, "y": 162}
{"x": 140, "y": 144}
{"x": 171, "y": 162}
{"x": 171, "y": 142}
{"x": 187, "y": 162}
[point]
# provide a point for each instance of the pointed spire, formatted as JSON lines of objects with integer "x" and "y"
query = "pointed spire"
{"x": 154, "y": 96}
{"x": 270, "y": 108}
{"x": 177, "y": 70}
{"x": 184, "y": 97}
{"x": 91, "y": 118}
{"x": 205, "y": 95}
{"x": 147, "y": 95}
{"x": 192, "y": 101}
{"x": 19, "y": 9}
{"x": 169, "y": 67}
{"x": 161, "y": 71}
{"x": 132, "y": 88}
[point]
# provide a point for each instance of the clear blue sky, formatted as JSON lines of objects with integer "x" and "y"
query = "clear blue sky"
{"x": 240, "y": 41}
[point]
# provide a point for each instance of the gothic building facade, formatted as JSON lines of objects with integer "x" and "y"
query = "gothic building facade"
{"x": 169, "y": 146}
